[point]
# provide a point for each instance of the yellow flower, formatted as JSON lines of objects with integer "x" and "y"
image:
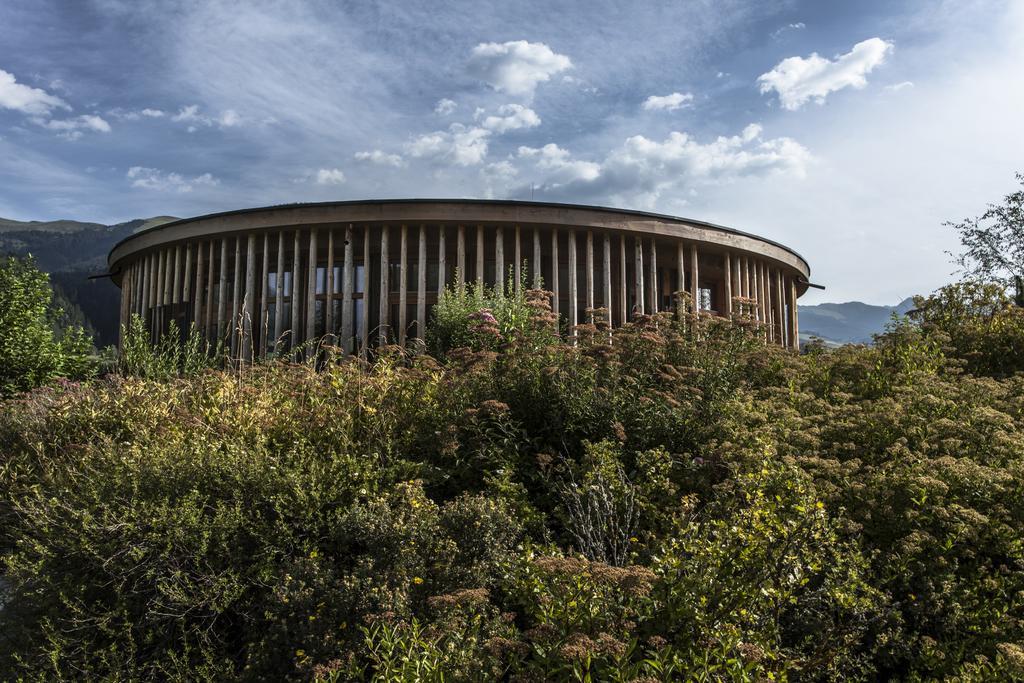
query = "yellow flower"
{"x": 300, "y": 653}
{"x": 417, "y": 580}
{"x": 820, "y": 505}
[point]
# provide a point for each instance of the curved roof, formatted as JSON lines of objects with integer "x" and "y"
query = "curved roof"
{"x": 454, "y": 211}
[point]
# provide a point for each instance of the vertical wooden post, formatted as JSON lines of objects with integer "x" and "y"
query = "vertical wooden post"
{"x": 727, "y": 260}
{"x": 264, "y": 293}
{"x": 294, "y": 296}
{"x": 769, "y": 301}
{"x": 250, "y": 298}
{"x": 499, "y": 259}
{"x": 197, "y": 293}
{"x": 403, "y": 286}
{"x": 365, "y": 332}
{"x": 385, "y": 287}
{"x": 681, "y": 269}
{"x": 695, "y": 274}
{"x": 794, "y": 318}
{"x": 442, "y": 261}
{"x": 279, "y": 292}
{"x": 176, "y": 282}
{"x": 329, "y": 288}
{"x": 222, "y": 291}
{"x": 346, "y": 292}
{"x": 623, "y": 306}
{"x": 311, "y": 288}
{"x": 421, "y": 285}
{"x": 236, "y": 300}
{"x": 780, "y": 308}
{"x": 186, "y": 279}
{"x": 460, "y": 258}
{"x": 517, "y": 271}
{"x": 590, "y": 276}
{"x": 638, "y": 295}
{"x": 606, "y": 279}
{"x": 211, "y": 274}
{"x": 573, "y": 284}
{"x": 144, "y": 299}
{"x": 653, "y": 274}
{"x": 479, "y": 255}
{"x": 554, "y": 276}
{"x": 162, "y": 288}
{"x": 535, "y": 267}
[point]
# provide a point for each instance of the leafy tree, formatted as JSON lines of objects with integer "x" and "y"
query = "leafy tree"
{"x": 994, "y": 241}
{"x": 31, "y": 353}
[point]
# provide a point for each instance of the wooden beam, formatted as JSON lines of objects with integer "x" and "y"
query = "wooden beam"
{"x": 695, "y": 277}
{"x": 590, "y": 276}
{"x": 554, "y": 276}
{"x": 186, "y": 278}
{"x": 681, "y": 269}
{"x": 346, "y": 292}
{"x": 176, "y": 283}
{"x": 499, "y": 259}
{"x": 279, "y": 292}
{"x": 574, "y": 303}
{"x": 403, "y": 285}
{"x": 365, "y": 331}
{"x": 652, "y": 269}
{"x": 197, "y": 293}
{"x": 222, "y": 292}
{"x": 727, "y": 261}
{"x": 606, "y": 279}
{"x": 518, "y": 260}
{"x": 479, "y": 256}
{"x": 236, "y": 293}
{"x": 623, "y": 306}
{"x": 250, "y": 298}
{"x": 295, "y": 336}
{"x": 638, "y": 294}
{"x": 329, "y": 289}
{"x": 794, "y": 318}
{"x": 211, "y": 274}
{"x": 535, "y": 267}
{"x": 421, "y": 285}
{"x": 385, "y": 287}
{"x": 460, "y": 258}
{"x": 442, "y": 261}
{"x": 263, "y": 325}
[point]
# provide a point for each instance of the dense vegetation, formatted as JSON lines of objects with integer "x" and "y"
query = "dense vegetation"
{"x": 682, "y": 502}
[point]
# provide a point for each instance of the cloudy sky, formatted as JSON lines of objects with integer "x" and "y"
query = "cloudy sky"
{"x": 849, "y": 131}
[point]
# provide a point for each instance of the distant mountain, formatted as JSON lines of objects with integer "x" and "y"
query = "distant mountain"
{"x": 71, "y": 251}
{"x": 852, "y": 322}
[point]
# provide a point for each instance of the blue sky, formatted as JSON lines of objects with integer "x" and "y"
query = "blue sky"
{"x": 849, "y": 131}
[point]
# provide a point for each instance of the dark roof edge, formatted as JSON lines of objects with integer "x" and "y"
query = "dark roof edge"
{"x": 504, "y": 202}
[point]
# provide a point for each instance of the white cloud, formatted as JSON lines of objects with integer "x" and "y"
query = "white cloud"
{"x": 445, "y": 106}
{"x": 229, "y": 118}
{"x": 788, "y": 27}
{"x": 153, "y": 113}
{"x": 798, "y": 80}
{"x": 155, "y": 179}
{"x": 191, "y": 115}
{"x": 517, "y": 66}
{"x": 668, "y": 102}
{"x": 562, "y": 168}
{"x": 380, "y": 158}
{"x": 26, "y": 99}
{"x": 896, "y": 87}
{"x": 461, "y": 145}
{"x": 71, "y": 129}
{"x": 511, "y": 117}
{"x": 187, "y": 113}
{"x": 330, "y": 176}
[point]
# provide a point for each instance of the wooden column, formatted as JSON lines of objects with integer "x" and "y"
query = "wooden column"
{"x": 125, "y": 302}
{"x": 329, "y": 288}
{"x": 403, "y": 285}
{"x": 535, "y": 266}
{"x": 421, "y": 285}
{"x": 460, "y": 257}
{"x": 727, "y": 261}
{"x": 346, "y": 292}
{"x": 385, "y": 288}
{"x": 794, "y": 321}
{"x": 236, "y": 297}
{"x": 623, "y": 306}
{"x": 780, "y": 307}
{"x": 695, "y": 275}
{"x": 638, "y": 295}
{"x": 197, "y": 293}
{"x": 499, "y": 259}
{"x": 176, "y": 282}
{"x": 222, "y": 292}
{"x": 442, "y": 261}
{"x": 479, "y": 256}
{"x": 250, "y": 298}
{"x": 573, "y": 285}
{"x": 162, "y": 286}
{"x": 279, "y": 292}
{"x": 186, "y": 278}
{"x": 681, "y": 269}
{"x": 762, "y": 291}
{"x": 517, "y": 270}
{"x": 769, "y": 297}
{"x": 590, "y": 276}
{"x": 264, "y": 324}
{"x": 144, "y": 299}
{"x": 365, "y": 332}
{"x": 606, "y": 279}
{"x": 652, "y": 270}
{"x": 311, "y": 287}
{"x": 554, "y": 275}
{"x": 294, "y": 297}
{"x": 211, "y": 274}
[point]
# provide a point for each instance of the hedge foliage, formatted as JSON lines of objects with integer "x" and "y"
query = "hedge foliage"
{"x": 669, "y": 501}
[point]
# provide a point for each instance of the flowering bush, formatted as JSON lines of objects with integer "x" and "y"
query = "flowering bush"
{"x": 672, "y": 500}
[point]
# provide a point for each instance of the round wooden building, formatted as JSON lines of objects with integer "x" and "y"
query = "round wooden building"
{"x": 368, "y": 272}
